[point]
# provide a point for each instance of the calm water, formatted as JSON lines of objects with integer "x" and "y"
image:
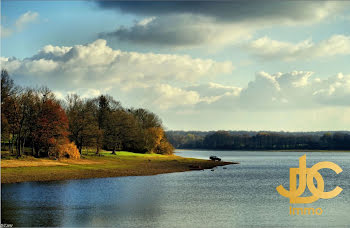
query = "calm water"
{"x": 240, "y": 196}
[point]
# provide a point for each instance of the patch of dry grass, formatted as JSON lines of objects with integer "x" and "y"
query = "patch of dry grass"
{"x": 29, "y": 163}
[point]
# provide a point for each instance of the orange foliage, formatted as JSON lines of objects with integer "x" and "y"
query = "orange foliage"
{"x": 52, "y": 126}
{"x": 156, "y": 134}
{"x": 165, "y": 147}
{"x": 158, "y": 142}
{"x": 67, "y": 150}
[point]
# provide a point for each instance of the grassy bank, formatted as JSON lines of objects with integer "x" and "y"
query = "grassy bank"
{"x": 92, "y": 166}
{"x": 286, "y": 150}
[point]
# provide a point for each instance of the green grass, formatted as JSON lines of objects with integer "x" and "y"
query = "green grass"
{"x": 92, "y": 166}
{"x": 85, "y": 153}
{"x": 121, "y": 153}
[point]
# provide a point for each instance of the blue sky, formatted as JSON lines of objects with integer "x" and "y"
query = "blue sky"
{"x": 253, "y": 66}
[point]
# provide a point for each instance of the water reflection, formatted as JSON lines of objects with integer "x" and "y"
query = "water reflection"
{"x": 239, "y": 195}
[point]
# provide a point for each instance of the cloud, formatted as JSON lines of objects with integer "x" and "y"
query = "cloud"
{"x": 184, "y": 24}
{"x": 181, "y": 31}
{"x": 295, "y": 90}
{"x": 268, "y": 49}
{"x": 98, "y": 65}
{"x": 168, "y": 82}
{"x": 280, "y": 90}
{"x": 212, "y": 92}
{"x": 165, "y": 96}
{"x": 216, "y": 89}
{"x": 255, "y": 11}
{"x": 334, "y": 90}
{"x": 83, "y": 92}
{"x": 23, "y": 21}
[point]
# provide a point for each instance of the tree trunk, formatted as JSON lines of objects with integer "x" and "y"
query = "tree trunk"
{"x": 36, "y": 151}
{"x": 33, "y": 148}
{"x": 12, "y": 147}
{"x": 81, "y": 145}
{"x": 98, "y": 149}
{"x": 114, "y": 150}
{"x": 24, "y": 141}
{"x": 18, "y": 147}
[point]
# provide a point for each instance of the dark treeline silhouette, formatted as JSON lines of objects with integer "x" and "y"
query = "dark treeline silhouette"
{"x": 36, "y": 119}
{"x": 250, "y": 140}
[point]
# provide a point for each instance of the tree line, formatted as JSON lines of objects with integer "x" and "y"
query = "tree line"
{"x": 244, "y": 140}
{"x": 50, "y": 127}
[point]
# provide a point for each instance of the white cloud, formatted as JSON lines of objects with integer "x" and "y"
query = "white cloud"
{"x": 23, "y": 21}
{"x": 145, "y": 21}
{"x": 335, "y": 45}
{"x": 165, "y": 96}
{"x": 96, "y": 64}
{"x": 334, "y": 90}
{"x": 294, "y": 90}
{"x": 169, "y": 81}
{"x": 215, "y": 89}
{"x": 82, "y": 92}
{"x": 268, "y": 49}
{"x": 279, "y": 92}
{"x": 212, "y": 92}
{"x": 152, "y": 79}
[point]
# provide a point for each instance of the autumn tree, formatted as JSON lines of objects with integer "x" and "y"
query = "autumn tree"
{"x": 151, "y": 132}
{"x": 52, "y": 127}
{"x": 157, "y": 142}
{"x": 9, "y": 121}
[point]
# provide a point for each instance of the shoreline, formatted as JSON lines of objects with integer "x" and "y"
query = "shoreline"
{"x": 120, "y": 165}
{"x": 291, "y": 150}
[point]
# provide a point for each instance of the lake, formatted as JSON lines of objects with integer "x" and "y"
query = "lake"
{"x": 241, "y": 195}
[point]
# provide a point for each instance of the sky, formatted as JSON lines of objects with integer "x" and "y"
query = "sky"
{"x": 238, "y": 65}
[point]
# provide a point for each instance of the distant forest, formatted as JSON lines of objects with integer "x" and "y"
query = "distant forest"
{"x": 252, "y": 140}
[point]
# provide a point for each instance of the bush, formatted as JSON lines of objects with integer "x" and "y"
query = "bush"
{"x": 66, "y": 150}
{"x": 164, "y": 147}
